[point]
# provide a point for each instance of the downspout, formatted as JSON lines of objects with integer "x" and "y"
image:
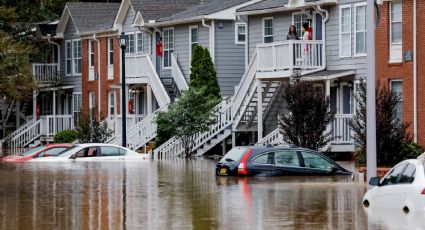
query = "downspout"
{"x": 49, "y": 40}
{"x": 324, "y": 20}
{"x": 246, "y": 41}
{"x": 98, "y": 76}
{"x": 415, "y": 77}
{"x": 212, "y": 35}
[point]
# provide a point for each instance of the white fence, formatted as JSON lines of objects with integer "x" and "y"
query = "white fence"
{"x": 341, "y": 132}
{"x": 45, "y": 73}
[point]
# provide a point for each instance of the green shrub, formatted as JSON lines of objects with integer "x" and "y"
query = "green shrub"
{"x": 410, "y": 150}
{"x": 65, "y": 136}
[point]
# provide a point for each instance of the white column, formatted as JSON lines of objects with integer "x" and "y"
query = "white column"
{"x": 145, "y": 101}
{"x": 34, "y": 105}
{"x": 233, "y": 139}
{"x": 54, "y": 112}
{"x": 260, "y": 109}
{"x": 328, "y": 88}
{"x": 149, "y": 98}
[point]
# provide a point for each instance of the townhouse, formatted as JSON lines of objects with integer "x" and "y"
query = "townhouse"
{"x": 399, "y": 60}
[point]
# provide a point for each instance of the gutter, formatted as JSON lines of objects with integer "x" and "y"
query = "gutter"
{"x": 212, "y": 36}
{"x": 415, "y": 76}
{"x": 325, "y": 20}
{"x": 98, "y": 76}
{"x": 49, "y": 40}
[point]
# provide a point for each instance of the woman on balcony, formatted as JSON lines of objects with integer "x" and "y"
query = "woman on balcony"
{"x": 307, "y": 36}
{"x": 292, "y": 33}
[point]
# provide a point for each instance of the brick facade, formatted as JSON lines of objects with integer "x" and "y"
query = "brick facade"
{"x": 106, "y": 84}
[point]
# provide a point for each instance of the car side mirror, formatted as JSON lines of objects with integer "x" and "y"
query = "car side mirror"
{"x": 374, "y": 181}
{"x": 73, "y": 156}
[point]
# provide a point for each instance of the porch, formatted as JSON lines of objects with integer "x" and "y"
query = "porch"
{"x": 46, "y": 73}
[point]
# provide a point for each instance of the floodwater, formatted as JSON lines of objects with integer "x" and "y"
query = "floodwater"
{"x": 172, "y": 194}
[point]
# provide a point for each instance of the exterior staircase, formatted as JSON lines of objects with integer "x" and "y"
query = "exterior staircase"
{"x": 272, "y": 138}
{"x": 217, "y": 132}
{"x": 171, "y": 87}
{"x": 24, "y": 135}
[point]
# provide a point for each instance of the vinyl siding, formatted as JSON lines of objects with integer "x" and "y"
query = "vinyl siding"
{"x": 70, "y": 33}
{"x": 128, "y": 21}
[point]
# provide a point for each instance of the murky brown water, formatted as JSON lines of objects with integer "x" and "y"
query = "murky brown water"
{"x": 171, "y": 194}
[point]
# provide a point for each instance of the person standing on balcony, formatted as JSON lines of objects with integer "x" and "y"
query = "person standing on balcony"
{"x": 292, "y": 33}
{"x": 307, "y": 36}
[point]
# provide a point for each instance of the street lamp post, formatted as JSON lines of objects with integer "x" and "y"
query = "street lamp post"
{"x": 123, "y": 99}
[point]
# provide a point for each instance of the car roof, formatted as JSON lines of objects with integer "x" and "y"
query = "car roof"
{"x": 274, "y": 147}
{"x": 98, "y": 144}
{"x": 59, "y": 145}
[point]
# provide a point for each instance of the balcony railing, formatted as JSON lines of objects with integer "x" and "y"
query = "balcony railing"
{"x": 52, "y": 124}
{"x": 290, "y": 55}
{"x": 341, "y": 132}
{"x": 45, "y": 73}
{"x": 115, "y": 123}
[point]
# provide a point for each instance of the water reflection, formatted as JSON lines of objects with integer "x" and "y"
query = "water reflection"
{"x": 171, "y": 194}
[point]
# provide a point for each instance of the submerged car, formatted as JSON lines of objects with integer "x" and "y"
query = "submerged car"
{"x": 94, "y": 152}
{"x": 49, "y": 150}
{"x": 401, "y": 189}
{"x": 276, "y": 161}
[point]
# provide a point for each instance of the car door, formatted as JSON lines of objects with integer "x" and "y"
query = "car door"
{"x": 387, "y": 193}
{"x": 88, "y": 154}
{"x": 314, "y": 164}
{"x": 262, "y": 164}
{"x": 405, "y": 186}
{"x": 287, "y": 163}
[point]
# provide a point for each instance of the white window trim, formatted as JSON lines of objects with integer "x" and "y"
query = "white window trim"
{"x": 92, "y": 100}
{"x": 340, "y": 29}
{"x": 163, "y": 46}
{"x": 293, "y": 22}
{"x": 401, "y": 98}
{"x": 109, "y": 103}
{"x": 73, "y": 58}
{"x": 355, "y": 30}
{"x": 264, "y": 31}
{"x": 137, "y": 42}
{"x": 91, "y": 65}
{"x": 109, "y": 50}
{"x": 68, "y": 59}
{"x": 74, "y": 95}
{"x": 400, "y": 44}
{"x": 110, "y": 70}
{"x": 190, "y": 42}
{"x": 237, "y": 42}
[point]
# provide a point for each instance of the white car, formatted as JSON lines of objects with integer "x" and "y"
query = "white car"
{"x": 401, "y": 189}
{"x": 94, "y": 152}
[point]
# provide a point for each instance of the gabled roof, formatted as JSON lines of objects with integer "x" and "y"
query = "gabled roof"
{"x": 88, "y": 17}
{"x": 157, "y": 9}
{"x": 268, "y": 6}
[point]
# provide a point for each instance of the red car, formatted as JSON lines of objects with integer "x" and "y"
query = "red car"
{"x": 41, "y": 151}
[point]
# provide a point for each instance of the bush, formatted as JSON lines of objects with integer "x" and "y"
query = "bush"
{"x": 410, "y": 150}
{"x": 65, "y": 136}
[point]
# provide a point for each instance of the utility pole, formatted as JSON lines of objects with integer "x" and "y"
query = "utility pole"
{"x": 370, "y": 91}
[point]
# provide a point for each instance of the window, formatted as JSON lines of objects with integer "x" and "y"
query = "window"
{"x": 397, "y": 89}
{"x": 286, "y": 158}
{"x": 76, "y": 57}
{"x": 77, "y": 103}
{"x": 268, "y": 30}
{"x": 91, "y": 101}
{"x": 168, "y": 46}
{"x": 315, "y": 161}
{"x": 91, "y": 53}
{"x": 360, "y": 29}
{"x": 234, "y": 155}
{"x": 240, "y": 36}
{"x": 298, "y": 20}
{"x": 68, "y": 57}
{"x": 110, "y": 51}
{"x": 408, "y": 176}
{"x": 139, "y": 42}
{"x": 396, "y": 38}
{"x": 130, "y": 43}
{"x": 107, "y": 151}
{"x": 55, "y": 151}
{"x": 392, "y": 176}
{"x": 194, "y": 38}
{"x": 262, "y": 159}
{"x": 345, "y": 31}
{"x": 111, "y": 103}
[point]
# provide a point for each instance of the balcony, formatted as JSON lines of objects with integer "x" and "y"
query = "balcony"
{"x": 46, "y": 74}
{"x": 341, "y": 138}
{"x": 279, "y": 59}
{"x": 115, "y": 122}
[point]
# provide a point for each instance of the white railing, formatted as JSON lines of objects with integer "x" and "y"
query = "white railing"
{"x": 17, "y": 132}
{"x": 178, "y": 75}
{"x": 141, "y": 133}
{"x": 244, "y": 91}
{"x": 25, "y": 136}
{"x": 174, "y": 147}
{"x": 53, "y": 124}
{"x": 115, "y": 122}
{"x": 45, "y": 73}
{"x": 341, "y": 132}
{"x": 291, "y": 54}
{"x": 272, "y": 138}
{"x": 140, "y": 67}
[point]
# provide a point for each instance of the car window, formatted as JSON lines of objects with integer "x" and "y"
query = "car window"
{"x": 315, "y": 161}
{"x": 262, "y": 159}
{"x": 55, "y": 151}
{"x": 87, "y": 152}
{"x": 110, "y": 151}
{"x": 234, "y": 155}
{"x": 34, "y": 150}
{"x": 408, "y": 175}
{"x": 286, "y": 158}
{"x": 392, "y": 177}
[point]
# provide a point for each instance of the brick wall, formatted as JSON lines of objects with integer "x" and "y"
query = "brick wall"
{"x": 106, "y": 85}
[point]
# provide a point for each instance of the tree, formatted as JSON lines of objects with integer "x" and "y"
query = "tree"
{"x": 202, "y": 72}
{"x": 191, "y": 114}
{"x": 391, "y": 132}
{"x": 90, "y": 130}
{"x": 306, "y": 117}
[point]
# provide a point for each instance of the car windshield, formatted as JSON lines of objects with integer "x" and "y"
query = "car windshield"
{"x": 34, "y": 150}
{"x": 66, "y": 151}
{"x": 234, "y": 155}
{"x": 56, "y": 151}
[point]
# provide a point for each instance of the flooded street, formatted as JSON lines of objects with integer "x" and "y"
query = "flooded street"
{"x": 172, "y": 194}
